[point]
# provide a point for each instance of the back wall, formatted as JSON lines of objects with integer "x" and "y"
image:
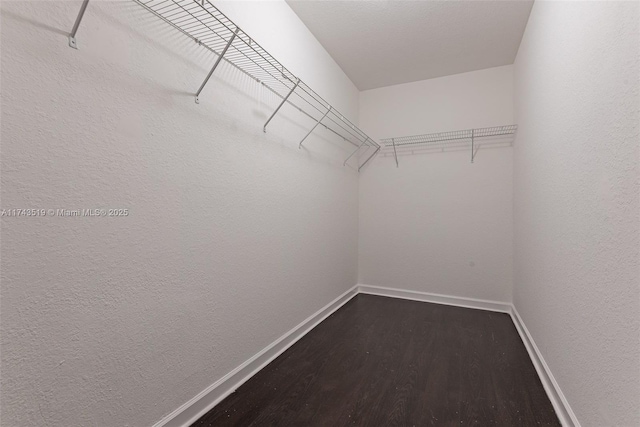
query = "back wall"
{"x": 438, "y": 223}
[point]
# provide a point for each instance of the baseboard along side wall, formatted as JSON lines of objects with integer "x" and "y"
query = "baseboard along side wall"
{"x": 560, "y": 404}
{"x": 200, "y": 404}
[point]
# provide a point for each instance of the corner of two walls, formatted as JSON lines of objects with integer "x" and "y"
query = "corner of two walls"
{"x": 232, "y": 238}
{"x": 438, "y": 223}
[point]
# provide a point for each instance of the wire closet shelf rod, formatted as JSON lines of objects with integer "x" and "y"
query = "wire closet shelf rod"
{"x": 441, "y": 139}
{"x": 210, "y": 28}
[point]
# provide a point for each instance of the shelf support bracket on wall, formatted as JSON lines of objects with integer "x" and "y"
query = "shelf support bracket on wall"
{"x": 369, "y": 158}
{"x": 314, "y": 126}
{"x": 356, "y": 150}
{"x": 74, "y": 30}
{"x": 473, "y": 154}
{"x": 395, "y": 154}
{"x": 233, "y": 36}
{"x": 264, "y": 128}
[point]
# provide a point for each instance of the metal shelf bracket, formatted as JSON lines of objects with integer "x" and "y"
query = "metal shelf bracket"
{"x": 473, "y": 154}
{"x": 74, "y": 30}
{"x": 215, "y": 65}
{"x": 395, "y": 153}
{"x": 355, "y": 151}
{"x": 369, "y": 158}
{"x": 264, "y": 128}
{"x": 314, "y": 127}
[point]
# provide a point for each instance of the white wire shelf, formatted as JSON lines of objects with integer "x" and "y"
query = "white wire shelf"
{"x": 457, "y": 138}
{"x": 209, "y": 27}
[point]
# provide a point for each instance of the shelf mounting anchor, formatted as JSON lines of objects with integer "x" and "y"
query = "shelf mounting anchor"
{"x": 233, "y": 36}
{"x": 314, "y": 126}
{"x": 74, "y": 30}
{"x": 264, "y": 128}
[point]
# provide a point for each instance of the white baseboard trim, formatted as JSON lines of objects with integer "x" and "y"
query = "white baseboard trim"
{"x": 558, "y": 400}
{"x": 199, "y": 405}
{"x": 502, "y": 307}
{"x": 192, "y": 410}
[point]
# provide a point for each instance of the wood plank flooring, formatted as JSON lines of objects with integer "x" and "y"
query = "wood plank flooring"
{"x": 389, "y": 362}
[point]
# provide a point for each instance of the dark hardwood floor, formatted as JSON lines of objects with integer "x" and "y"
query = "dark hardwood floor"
{"x": 389, "y": 362}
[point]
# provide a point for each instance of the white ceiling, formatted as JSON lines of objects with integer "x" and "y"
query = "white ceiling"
{"x": 382, "y": 43}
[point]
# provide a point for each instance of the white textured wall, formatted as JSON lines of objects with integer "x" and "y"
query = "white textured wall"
{"x": 233, "y": 237}
{"x": 439, "y": 223}
{"x": 577, "y": 211}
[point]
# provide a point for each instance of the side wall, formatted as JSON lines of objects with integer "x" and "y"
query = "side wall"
{"x": 576, "y": 207}
{"x": 233, "y": 236}
{"x": 438, "y": 223}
